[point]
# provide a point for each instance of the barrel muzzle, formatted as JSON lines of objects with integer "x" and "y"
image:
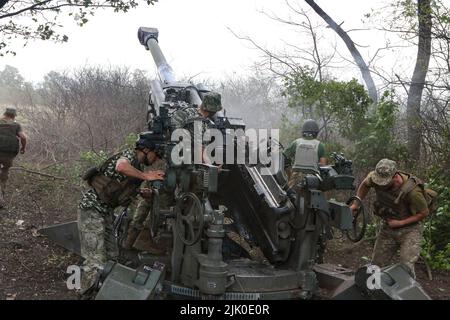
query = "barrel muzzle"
{"x": 145, "y": 34}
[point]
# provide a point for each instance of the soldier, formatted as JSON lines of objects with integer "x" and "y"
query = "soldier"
{"x": 114, "y": 184}
{"x": 206, "y": 112}
{"x": 401, "y": 203}
{"x": 305, "y": 153}
{"x": 10, "y": 134}
{"x": 138, "y": 234}
{"x": 210, "y": 105}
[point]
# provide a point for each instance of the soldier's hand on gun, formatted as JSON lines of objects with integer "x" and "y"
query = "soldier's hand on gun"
{"x": 154, "y": 175}
{"x": 146, "y": 193}
{"x": 354, "y": 208}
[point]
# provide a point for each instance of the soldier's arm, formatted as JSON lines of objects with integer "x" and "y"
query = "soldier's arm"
{"x": 362, "y": 192}
{"x": 323, "y": 161}
{"x": 123, "y": 166}
{"x": 418, "y": 207}
{"x": 23, "y": 141}
{"x": 289, "y": 152}
{"x": 410, "y": 220}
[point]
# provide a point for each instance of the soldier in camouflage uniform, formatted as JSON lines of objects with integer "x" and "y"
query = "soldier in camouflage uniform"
{"x": 402, "y": 205}
{"x": 138, "y": 236}
{"x": 115, "y": 184}
{"x": 10, "y": 135}
{"x": 210, "y": 105}
{"x": 185, "y": 118}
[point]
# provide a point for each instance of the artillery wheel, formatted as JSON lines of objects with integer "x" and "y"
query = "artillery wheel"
{"x": 190, "y": 219}
{"x": 359, "y": 223}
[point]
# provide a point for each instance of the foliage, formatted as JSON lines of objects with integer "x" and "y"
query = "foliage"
{"x": 130, "y": 140}
{"x": 436, "y": 247}
{"x": 42, "y": 19}
{"x": 92, "y": 158}
{"x": 377, "y": 138}
{"x": 87, "y": 109}
{"x": 13, "y": 88}
{"x": 344, "y": 107}
{"x": 341, "y": 103}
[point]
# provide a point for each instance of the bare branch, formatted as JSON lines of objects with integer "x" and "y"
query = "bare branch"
{"x": 351, "y": 47}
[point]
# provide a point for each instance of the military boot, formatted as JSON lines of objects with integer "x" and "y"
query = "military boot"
{"x": 130, "y": 239}
{"x": 144, "y": 242}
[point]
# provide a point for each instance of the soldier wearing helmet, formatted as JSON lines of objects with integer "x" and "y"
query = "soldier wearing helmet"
{"x": 205, "y": 113}
{"x": 306, "y": 153}
{"x": 115, "y": 183}
{"x": 211, "y": 104}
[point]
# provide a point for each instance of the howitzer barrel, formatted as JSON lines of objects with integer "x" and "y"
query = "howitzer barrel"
{"x": 148, "y": 37}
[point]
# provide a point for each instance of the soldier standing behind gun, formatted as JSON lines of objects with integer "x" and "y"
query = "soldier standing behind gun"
{"x": 402, "y": 206}
{"x": 10, "y": 134}
{"x": 307, "y": 149}
{"x": 211, "y": 104}
{"x": 114, "y": 184}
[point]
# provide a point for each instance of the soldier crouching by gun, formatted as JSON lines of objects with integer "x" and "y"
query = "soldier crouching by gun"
{"x": 138, "y": 234}
{"x": 114, "y": 184}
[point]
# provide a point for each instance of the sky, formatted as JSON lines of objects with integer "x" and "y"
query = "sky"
{"x": 193, "y": 34}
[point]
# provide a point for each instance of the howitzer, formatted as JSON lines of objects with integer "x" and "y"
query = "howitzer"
{"x": 249, "y": 197}
{"x": 211, "y": 201}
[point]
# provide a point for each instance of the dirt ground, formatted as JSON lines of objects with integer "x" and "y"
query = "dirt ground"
{"x": 31, "y": 267}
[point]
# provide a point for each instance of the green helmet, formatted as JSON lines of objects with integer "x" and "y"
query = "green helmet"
{"x": 11, "y": 112}
{"x": 310, "y": 127}
{"x": 211, "y": 102}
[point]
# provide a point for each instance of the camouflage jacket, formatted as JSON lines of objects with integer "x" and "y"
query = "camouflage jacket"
{"x": 184, "y": 117}
{"x": 90, "y": 199}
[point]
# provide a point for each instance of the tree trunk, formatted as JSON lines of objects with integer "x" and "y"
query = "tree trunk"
{"x": 371, "y": 88}
{"x": 418, "y": 79}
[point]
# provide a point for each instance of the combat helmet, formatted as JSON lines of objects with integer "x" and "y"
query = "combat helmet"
{"x": 211, "y": 102}
{"x": 310, "y": 127}
{"x": 10, "y": 112}
{"x": 145, "y": 140}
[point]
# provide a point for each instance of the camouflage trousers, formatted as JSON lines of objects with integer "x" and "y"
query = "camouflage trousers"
{"x": 98, "y": 243}
{"x": 141, "y": 209}
{"x": 407, "y": 240}
{"x": 295, "y": 177}
{"x": 140, "y": 217}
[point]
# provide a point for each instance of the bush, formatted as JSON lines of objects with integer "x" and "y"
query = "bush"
{"x": 436, "y": 246}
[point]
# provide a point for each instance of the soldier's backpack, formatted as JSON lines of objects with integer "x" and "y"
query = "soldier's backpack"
{"x": 9, "y": 142}
{"x": 429, "y": 194}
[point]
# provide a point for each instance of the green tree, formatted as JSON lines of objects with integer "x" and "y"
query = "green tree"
{"x": 41, "y": 19}
{"x": 348, "y": 119}
{"x": 339, "y": 105}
